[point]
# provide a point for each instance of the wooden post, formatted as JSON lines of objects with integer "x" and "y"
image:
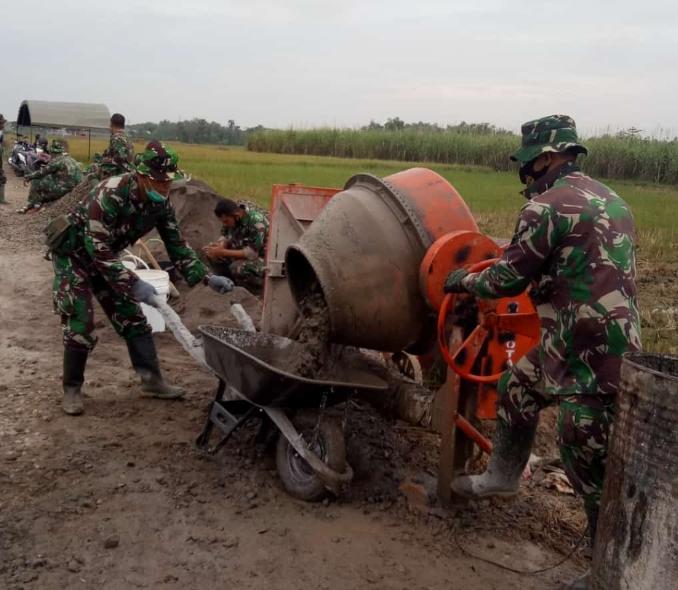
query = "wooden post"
{"x": 454, "y": 396}
{"x": 637, "y": 539}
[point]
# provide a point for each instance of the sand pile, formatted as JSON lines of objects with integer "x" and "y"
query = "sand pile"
{"x": 200, "y": 305}
{"x": 194, "y": 205}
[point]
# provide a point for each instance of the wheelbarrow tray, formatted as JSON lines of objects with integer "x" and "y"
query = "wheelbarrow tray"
{"x": 257, "y": 366}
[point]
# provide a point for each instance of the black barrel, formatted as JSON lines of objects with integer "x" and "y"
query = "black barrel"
{"x": 637, "y": 538}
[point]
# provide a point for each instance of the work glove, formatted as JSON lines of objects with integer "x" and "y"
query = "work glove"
{"x": 453, "y": 282}
{"x": 220, "y": 284}
{"x": 143, "y": 292}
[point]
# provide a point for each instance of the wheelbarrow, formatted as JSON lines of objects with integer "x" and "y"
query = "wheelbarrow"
{"x": 254, "y": 382}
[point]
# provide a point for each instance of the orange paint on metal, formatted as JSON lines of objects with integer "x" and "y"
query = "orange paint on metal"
{"x": 437, "y": 203}
{"x": 473, "y": 433}
{"x": 507, "y": 329}
{"x": 449, "y": 252}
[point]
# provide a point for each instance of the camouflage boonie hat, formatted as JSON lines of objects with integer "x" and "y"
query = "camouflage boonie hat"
{"x": 157, "y": 161}
{"x": 556, "y": 133}
{"x": 57, "y": 147}
{"x": 2, "y": 119}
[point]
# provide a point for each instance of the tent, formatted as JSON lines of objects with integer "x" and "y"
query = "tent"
{"x": 60, "y": 115}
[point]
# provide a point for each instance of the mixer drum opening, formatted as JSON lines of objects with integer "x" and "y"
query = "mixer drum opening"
{"x": 301, "y": 277}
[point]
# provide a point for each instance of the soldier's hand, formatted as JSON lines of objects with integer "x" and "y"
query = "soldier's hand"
{"x": 250, "y": 253}
{"x": 215, "y": 253}
{"x": 453, "y": 284}
{"x": 220, "y": 284}
{"x": 143, "y": 291}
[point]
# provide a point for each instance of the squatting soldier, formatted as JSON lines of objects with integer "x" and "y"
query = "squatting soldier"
{"x": 53, "y": 180}
{"x": 3, "y": 178}
{"x": 85, "y": 246}
{"x": 118, "y": 157}
{"x": 575, "y": 242}
{"x": 240, "y": 252}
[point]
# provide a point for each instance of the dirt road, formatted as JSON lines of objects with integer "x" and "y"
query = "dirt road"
{"x": 119, "y": 498}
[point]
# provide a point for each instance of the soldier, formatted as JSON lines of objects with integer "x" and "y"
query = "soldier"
{"x": 575, "y": 242}
{"x": 53, "y": 180}
{"x": 240, "y": 253}
{"x": 118, "y": 158}
{"x": 3, "y": 178}
{"x": 85, "y": 247}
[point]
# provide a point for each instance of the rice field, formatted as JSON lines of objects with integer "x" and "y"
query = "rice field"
{"x": 493, "y": 196}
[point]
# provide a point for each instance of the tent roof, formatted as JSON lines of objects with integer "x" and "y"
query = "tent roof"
{"x": 77, "y": 115}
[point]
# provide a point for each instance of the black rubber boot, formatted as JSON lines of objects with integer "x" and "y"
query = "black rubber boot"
{"x": 2, "y": 195}
{"x": 145, "y": 362}
{"x": 511, "y": 451}
{"x": 75, "y": 360}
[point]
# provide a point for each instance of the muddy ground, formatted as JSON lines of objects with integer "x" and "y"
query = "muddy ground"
{"x": 119, "y": 498}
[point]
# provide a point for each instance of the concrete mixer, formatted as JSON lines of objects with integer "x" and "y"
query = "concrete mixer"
{"x": 379, "y": 250}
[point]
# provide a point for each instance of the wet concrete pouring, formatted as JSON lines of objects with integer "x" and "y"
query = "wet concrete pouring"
{"x": 120, "y": 498}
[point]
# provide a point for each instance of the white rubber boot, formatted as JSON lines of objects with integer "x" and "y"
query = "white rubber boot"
{"x": 511, "y": 451}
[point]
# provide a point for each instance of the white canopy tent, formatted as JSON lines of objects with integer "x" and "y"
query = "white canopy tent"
{"x": 63, "y": 115}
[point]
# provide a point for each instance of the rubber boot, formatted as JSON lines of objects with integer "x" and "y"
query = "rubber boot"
{"x": 145, "y": 362}
{"x": 511, "y": 451}
{"x": 2, "y": 195}
{"x": 75, "y": 360}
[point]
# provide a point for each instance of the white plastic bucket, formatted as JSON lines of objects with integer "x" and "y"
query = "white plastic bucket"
{"x": 161, "y": 281}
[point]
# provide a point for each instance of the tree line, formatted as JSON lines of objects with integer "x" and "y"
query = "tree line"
{"x": 194, "y": 131}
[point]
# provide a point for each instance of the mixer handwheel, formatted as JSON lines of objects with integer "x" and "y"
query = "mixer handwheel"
{"x": 507, "y": 329}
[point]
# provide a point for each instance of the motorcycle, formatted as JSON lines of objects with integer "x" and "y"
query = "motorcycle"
{"x": 26, "y": 159}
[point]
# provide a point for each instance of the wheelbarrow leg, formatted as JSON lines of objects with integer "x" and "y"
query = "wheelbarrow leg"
{"x": 204, "y": 437}
{"x": 227, "y": 416}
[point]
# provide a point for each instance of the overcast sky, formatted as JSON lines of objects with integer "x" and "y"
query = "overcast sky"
{"x": 299, "y": 63}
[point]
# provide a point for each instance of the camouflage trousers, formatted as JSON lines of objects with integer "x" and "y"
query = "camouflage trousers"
{"x": 75, "y": 282}
{"x": 44, "y": 190}
{"x": 3, "y": 178}
{"x": 583, "y": 423}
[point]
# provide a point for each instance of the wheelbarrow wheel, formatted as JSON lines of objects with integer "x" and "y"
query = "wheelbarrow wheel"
{"x": 296, "y": 474}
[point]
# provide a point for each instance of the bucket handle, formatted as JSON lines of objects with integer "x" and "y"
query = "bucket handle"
{"x": 138, "y": 261}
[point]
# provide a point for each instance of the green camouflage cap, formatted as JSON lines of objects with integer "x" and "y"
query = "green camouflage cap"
{"x": 57, "y": 147}
{"x": 556, "y": 133}
{"x": 157, "y": 161}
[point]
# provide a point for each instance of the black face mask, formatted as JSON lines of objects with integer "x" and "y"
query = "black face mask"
{"x": 527, "y": 171}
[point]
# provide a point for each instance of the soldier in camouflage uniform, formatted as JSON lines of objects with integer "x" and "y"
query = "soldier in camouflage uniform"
{"x": 575, "y": 243}
{"x": 3, "y": 178}
{"x": 53, "y": 180}
{"x": 241, "y": 251}
{"x": 118, "y": 158}
{"x": 85, "y": 248}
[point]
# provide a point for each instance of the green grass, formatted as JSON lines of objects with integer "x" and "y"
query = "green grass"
{"x": 492, "y": 196}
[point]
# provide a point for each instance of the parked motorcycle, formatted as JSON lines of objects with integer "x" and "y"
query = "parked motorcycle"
{"x": 26, "y": 159}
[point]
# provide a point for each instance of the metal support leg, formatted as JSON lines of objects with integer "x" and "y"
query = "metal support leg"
{"x": 227, "y": 415}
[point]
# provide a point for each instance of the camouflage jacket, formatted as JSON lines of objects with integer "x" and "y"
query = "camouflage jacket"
{"x": 250, "y": 232}
{"x": 575, "y": 241}
{"x": 118, "y": 157}
{"x": 113, "y": 217}
{"x": 63, "y": 170}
